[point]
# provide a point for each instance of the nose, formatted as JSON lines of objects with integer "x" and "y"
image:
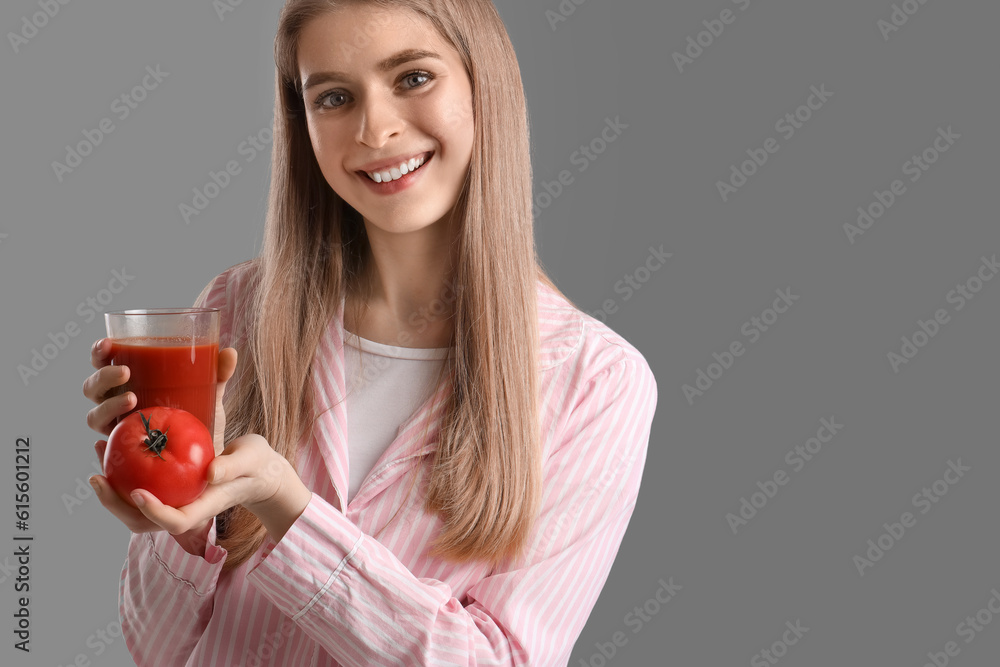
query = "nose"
{"x": 380, "y": 121}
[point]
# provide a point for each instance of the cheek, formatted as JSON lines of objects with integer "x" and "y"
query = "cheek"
{"x": 455, "y": 117}
{"x": 319, "y": 144}
{"x": 324, "y": 148}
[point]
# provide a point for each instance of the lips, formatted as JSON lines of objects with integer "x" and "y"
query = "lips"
{"x": 385, "y": 165}
{"x": 395, "y": 173}
{"x": 396, "y": 181}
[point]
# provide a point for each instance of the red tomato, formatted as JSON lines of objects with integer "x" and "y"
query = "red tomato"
{"x": 165, "y": 451}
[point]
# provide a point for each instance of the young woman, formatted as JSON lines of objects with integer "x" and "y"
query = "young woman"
{"x": 427, "y": 454}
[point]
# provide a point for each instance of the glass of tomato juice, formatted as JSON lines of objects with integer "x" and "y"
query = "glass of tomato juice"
{"x": 172, "y": 355}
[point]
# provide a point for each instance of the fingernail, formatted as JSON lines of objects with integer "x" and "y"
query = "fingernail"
{"x": 97, "y": 487}
{"x": 138, "y": 499}
{"x": 216, "y": 474}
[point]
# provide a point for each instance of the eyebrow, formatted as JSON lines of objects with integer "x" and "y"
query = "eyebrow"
{"x": 387, "y": 65}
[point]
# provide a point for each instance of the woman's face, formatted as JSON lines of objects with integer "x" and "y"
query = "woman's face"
{"x": 382, "y": 88}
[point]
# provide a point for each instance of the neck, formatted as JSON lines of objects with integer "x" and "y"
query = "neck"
{"x": 411, "y": 296}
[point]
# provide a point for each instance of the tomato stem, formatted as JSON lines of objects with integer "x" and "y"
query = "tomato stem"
{"x": 156, "y": 440}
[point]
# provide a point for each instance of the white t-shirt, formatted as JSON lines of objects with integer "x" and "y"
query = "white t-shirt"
{"x": 385, "y": 386}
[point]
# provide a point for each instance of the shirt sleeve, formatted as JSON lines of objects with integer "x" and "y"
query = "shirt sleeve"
{"x": 166, "y": 595}
{"x": 353, "y": 596}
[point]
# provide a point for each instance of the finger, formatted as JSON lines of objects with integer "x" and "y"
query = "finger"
{"x": 246, "y": 456}
{"x": 130, "y": 516}
{"x": 249, "y": 471}
{"x": 105, "y": 382}
{"x": 100, "y": 447}
{"x": 227, "y": 364}
{"x": 102, "y": 418}
{"x": 100, "y": 353}
{"x": 226, "y": 368}
{"x": 176, "y": 520}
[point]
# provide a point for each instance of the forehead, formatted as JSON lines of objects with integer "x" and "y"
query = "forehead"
{"x": 355, "y": 37}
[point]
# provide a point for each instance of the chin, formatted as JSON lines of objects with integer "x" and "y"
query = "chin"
{"x": 402, "y": 221}
{"x": 400, "y": 226}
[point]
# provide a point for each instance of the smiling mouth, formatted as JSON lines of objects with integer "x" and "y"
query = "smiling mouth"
{"x": 397, "y": 172}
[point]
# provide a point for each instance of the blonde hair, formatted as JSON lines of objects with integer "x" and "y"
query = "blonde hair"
{"x": 485, "y": 478}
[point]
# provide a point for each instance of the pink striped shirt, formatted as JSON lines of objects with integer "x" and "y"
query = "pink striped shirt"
{"x": 337, "y": 591}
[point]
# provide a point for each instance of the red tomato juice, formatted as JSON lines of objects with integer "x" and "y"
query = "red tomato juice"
{"x": 170, "y": 372}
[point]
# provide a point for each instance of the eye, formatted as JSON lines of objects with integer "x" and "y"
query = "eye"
{"x": 333, "y": 94}
{"x": 417, "y": 75}
{"x": 414, "y": 79}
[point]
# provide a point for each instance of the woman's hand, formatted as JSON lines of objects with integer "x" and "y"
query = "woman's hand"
{"x": 193, "y": 541}
{"x": 102, "y": 388}
{"x": 250, "y": 473}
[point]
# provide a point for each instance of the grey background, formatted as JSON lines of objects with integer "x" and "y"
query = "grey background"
{"x": 656, "y": 185}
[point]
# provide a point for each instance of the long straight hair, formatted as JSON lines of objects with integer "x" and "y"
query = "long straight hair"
{"x": 485, "y": 477}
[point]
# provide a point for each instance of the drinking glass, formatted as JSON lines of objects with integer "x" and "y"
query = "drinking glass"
{"x": 172, "y": 355}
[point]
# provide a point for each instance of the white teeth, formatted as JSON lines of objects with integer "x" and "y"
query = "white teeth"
{"x": 396, "y": 173}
